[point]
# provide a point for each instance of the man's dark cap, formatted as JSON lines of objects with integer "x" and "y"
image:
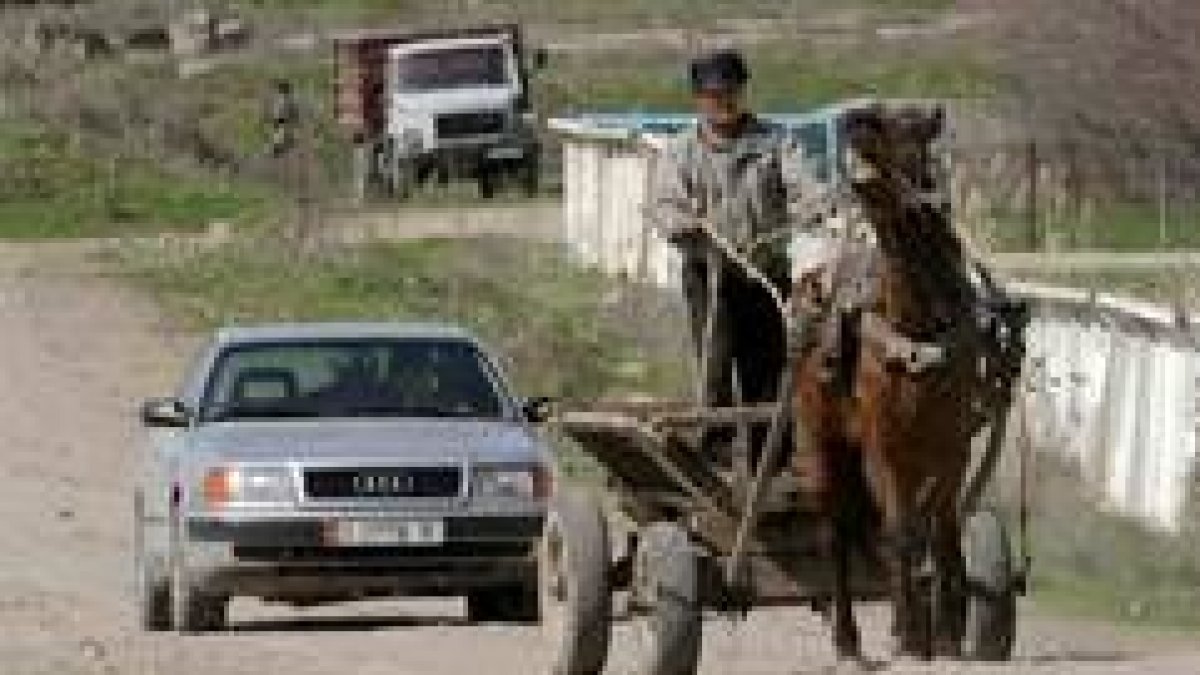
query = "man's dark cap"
{"x": 723, "y": 71}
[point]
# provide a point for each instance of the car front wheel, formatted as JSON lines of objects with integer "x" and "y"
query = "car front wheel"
{"x": 153, "y": 585}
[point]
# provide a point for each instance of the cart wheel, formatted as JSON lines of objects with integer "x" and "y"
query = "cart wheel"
{"x": 992, "y": 599}
{"x": 667, "y": 589}
{"x": 575, "y": 593}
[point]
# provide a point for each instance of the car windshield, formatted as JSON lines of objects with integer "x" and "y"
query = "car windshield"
{"x": 356, "y": 378}
{"x": 453, "y": 69}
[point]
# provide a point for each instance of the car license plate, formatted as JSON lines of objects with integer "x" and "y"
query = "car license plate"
{"x": 426, "y": 532}
{"x": 506, "y": 153}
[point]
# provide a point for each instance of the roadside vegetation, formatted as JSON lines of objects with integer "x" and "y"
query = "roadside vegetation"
{"x": 54, "y": 186}
{"x": 613, "y": 13}
{"x": 789, "y": 76}
{"x": 1093, "y": 563}
{"x": 561, "y": 325}
{"x": 209, "y": 128}
{"x": 1128, "y": 225}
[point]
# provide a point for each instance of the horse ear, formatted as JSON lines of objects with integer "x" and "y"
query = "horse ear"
{"x": 860, "y": 124}
{"x": 936, "y": 122}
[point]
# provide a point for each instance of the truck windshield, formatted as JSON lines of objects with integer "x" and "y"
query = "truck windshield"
{"x": 359, "y": 378}
{"x": 453, "y": 69}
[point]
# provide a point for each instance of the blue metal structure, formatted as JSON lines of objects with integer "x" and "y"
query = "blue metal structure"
{"x": 817, "y": 131}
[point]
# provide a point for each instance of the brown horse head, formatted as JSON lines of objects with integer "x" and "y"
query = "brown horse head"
{"x": 895, "y": 172}
{"x": 893, "y": 146}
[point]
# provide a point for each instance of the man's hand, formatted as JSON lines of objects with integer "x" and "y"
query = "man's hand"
{"x": 688, "y": 236}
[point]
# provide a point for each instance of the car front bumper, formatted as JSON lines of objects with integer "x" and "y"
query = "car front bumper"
{"x": 292, "y": 559}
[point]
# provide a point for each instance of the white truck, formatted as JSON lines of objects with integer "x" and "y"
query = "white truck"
{"x": 437, "y": 106}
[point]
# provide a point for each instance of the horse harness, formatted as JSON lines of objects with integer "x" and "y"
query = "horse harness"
{"x": 834, "y": 318}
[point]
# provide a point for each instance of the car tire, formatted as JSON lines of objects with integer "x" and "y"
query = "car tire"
{"x": 511, "y": 604}
{"x": 193, "y": 610}
{"x": 153, "y": 585}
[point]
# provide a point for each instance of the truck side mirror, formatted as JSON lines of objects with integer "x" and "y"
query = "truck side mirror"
{"x": 165, "y": 413}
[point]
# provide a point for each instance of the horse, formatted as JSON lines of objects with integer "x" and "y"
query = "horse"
{"x": 892, "y": 385}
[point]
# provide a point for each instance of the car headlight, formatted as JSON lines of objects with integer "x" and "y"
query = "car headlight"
{"x": 512, "y": 483}
{"x": 249, "y": 485}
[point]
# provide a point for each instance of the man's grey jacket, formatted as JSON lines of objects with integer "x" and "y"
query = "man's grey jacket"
{"x": 750, "y": 190}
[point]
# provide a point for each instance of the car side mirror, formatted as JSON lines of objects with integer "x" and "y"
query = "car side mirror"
{"x": 538, "y": 409}
{"x": 165, "y": 413}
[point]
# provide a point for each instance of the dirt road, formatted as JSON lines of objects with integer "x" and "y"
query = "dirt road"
{"x": 75, "y": 355}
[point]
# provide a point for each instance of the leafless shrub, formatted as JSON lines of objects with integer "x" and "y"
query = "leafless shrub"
{"x": 1119, "y": 75}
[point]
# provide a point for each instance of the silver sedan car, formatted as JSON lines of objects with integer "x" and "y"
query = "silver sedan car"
{"x": 314, "y": 463}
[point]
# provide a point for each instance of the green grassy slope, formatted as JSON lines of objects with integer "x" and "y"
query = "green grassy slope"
{"x": 548, "y": 315}
{"x": 53, "y": 186}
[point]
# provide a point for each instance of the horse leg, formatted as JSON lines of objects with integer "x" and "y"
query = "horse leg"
{"x": 882, "y": 479}
{"x": 950, "y": 591}
{"x": 913, "y": 611}
{"x": 845, "y": 629}
{"x": 904, "y": 546}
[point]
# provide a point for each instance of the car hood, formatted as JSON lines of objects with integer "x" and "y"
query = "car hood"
{"x": 354, "y": 441}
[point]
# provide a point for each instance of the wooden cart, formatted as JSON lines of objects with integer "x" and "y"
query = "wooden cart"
{"x": 685, "y": 510}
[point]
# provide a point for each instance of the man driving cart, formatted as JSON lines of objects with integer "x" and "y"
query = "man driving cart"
{"x": 734, "y": 179}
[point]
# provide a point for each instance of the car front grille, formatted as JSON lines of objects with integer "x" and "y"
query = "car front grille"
{"x": 461, "y": 125}
{"x": 324, "y": 554}
{"x": 383, "y": 483}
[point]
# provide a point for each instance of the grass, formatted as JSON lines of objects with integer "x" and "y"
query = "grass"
{"x": 788, "y": 77}
{"x": 1090, "y": 562}
{"x": 1118, "y": 226}
{"x": 547, "y": 315}
{"x": 612, "y": 12}
{"x": 54, "y": 187}
{"x": 1167, "y": 286}
{"x": 107, "y": 192}
{"x": 229, "y": 101}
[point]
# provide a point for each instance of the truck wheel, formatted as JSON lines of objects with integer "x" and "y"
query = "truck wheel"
{"x": 514, "y": 604}
{"x": 193, "y": 610}
{"x": 576, "y": 597}
{"x": 153, "y": 586}
{"x": 486, "y": 176}
{"x": 530, "y": 174}
{"x": 667, "y": 593}
{"x": 992, "y": 598}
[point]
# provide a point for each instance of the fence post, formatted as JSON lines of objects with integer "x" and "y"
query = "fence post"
{"x": 1033, "y": 234}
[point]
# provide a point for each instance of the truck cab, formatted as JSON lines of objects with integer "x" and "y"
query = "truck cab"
{"x": 438, "y": 106}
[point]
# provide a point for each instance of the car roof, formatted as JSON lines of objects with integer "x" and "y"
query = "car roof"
{"x": 348, "y": 330}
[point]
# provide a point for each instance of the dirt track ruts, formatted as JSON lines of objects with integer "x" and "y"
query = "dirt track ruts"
{"x": 76, "y": 353}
